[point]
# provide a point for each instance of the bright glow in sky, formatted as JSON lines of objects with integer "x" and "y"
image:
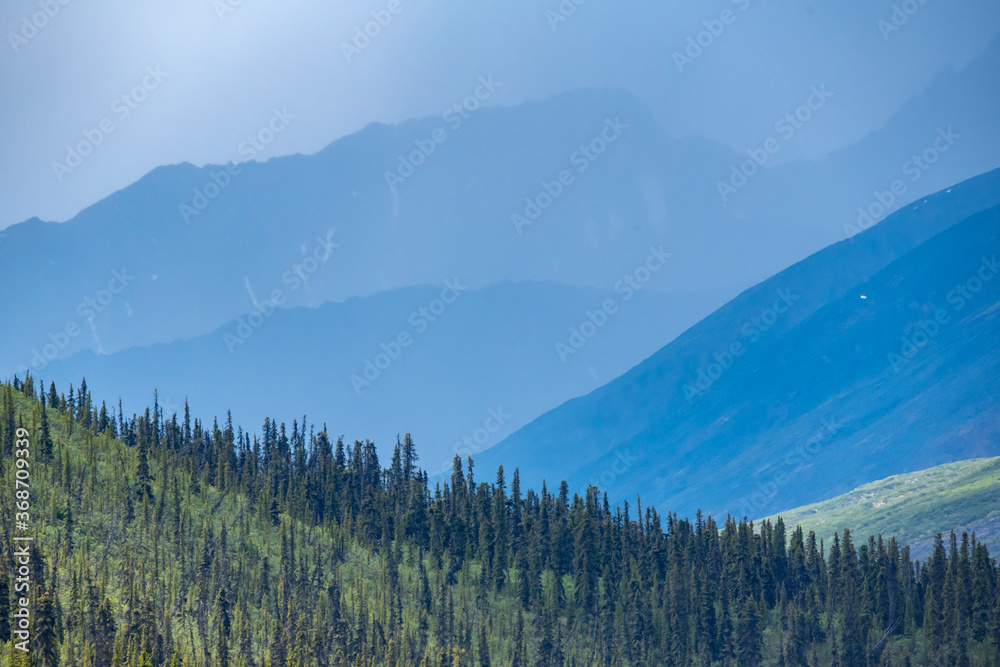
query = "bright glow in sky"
{"x": 226, "y": 71}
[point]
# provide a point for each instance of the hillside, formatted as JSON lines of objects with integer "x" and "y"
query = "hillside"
{"x": 328, "y": 227}
{"x": 158, "y": 541}
{"x": 806, "y": 358}
{"x": 264, "y": 224}
{"x": 962, "y": 496}
{"x": 488, "y": 352}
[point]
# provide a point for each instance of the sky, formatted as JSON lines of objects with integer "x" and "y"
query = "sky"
{"x": 144, "y": 83}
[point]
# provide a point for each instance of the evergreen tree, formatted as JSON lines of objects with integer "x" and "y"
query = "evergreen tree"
{"x": 44, "y": 644}
{"x": 749, "y": 643}
{"x": 222, "y": 628}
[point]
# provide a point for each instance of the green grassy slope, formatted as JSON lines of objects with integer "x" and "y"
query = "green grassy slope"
{"x": 915, "y": 506}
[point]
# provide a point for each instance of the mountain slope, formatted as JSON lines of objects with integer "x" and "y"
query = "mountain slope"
{"x": 962, "y": 496}
{"x": 650, "y": 433}
{"x": 259, "y": 229}
{"x": 490, "y": 352}
{"x": 268, "y": 224}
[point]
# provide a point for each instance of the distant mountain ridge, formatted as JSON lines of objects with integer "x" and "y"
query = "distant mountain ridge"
{"x": 400, "y": 361}
{"x": 132, "y": 271}
{"x": 453, "y": 215}
{"x": 854, "y": 302}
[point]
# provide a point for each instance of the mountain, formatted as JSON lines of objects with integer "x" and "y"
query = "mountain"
{"x": 156, "y": 541}
{"x": 391, "y": 207}
{"x": 466, "y": 374}
{"x": 327, "y": 227}
{"x": 914, "y": 507}
{"x": 802, "y": 387}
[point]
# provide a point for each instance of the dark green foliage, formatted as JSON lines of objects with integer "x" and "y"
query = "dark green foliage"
{"x": 174, "y": 543}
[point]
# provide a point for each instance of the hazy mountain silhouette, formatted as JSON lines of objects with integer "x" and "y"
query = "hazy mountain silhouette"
{"x": 489, "y": 352}
{"x": 453, "y": 215}
{"x": 703, "y": 424}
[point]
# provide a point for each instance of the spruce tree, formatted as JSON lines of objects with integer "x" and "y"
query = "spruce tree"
{"x": 749, "y": 644}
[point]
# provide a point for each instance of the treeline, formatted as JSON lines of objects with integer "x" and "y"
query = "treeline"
{"x": 162, "y": 540}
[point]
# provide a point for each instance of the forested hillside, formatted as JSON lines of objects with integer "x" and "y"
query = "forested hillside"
{"x": 164, "y": 540}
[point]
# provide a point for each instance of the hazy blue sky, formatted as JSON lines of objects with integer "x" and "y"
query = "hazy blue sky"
{"x": 225, "y": 68}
